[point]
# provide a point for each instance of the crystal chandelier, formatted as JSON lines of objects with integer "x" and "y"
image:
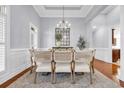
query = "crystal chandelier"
{"x": 63, "y": 23}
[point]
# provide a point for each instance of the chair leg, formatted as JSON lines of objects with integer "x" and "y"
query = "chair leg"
{"x": 90, "y": 75}
{"x": 73, "y": 77}
{"x": 72, "y": 73}
{"x": 53, "y": 77}
{"x": 53, "y": 73}
{"x": 31, "y": 70}
{"x": 31, "y": 65}
{"x": 35, "y": 77}
{"x": 93, "y": 65}
{"x": 93, "y": 69}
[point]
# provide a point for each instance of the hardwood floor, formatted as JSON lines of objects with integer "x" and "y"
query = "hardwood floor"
{"x": 108, "y": 69}
{"x": 103, "y": 67}
{"x": 13, "y": 79}
{"x": 121, "y": 83}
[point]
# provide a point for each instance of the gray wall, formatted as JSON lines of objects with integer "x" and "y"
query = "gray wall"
{"x": 100, "y": 34}
{"x": 21, "y": 16}
{"x": 113, "y": 18}
{"x": 47, "y": 33}
{"x": 101, "y": 37}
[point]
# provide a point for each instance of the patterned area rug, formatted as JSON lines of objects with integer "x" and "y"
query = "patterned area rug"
{"x": 64, "y": 81}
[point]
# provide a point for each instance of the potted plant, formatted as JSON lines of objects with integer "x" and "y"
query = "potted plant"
{"x": 81, "y": 43}
{"x": 58, "y": 38}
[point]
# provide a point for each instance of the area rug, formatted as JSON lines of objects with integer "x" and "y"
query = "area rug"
{"x": 63, "y": 81}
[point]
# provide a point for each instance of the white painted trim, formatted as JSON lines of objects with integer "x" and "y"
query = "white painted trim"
{"x": 25, "y": 49}
{"x": 43, "y": 12}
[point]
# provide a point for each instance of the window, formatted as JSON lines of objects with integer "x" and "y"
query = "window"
{"x": 2, "y": 36}
{"x": 33, "y": 36}
{"x": 65, "y": 41}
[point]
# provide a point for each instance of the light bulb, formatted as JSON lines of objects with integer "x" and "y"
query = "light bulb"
{"x": 66, "y": 22}
{"x": 57, "y": 25}
{"x": 64, "y": 37}
{"x": 69, "y": 25}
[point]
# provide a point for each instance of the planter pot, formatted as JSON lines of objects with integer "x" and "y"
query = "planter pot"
{"x": 58, "y": 43}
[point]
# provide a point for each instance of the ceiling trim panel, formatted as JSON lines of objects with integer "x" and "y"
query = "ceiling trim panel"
{"x": 56, "y": 11}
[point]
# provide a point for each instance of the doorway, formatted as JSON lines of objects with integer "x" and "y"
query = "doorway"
{"x": 116, "y": 51}
{"x": 33, "y": 36}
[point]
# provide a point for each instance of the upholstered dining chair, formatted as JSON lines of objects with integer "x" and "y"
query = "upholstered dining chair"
{"x": 84, "y": 61}
{"x": 63, "y": 62}
{"x": 42, "y": 61}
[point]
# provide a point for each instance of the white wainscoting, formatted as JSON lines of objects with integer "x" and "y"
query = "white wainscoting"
{"x": 104, "y": 54}
{"x": 19, "y": 60}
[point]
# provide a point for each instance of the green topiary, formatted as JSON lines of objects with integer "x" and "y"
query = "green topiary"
{"x": 58, "y": 36}
{"x": 81, "y": 43}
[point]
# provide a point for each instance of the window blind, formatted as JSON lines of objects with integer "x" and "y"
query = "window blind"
{"x": 2, "y": 57}
{"x": 2, "y": 36}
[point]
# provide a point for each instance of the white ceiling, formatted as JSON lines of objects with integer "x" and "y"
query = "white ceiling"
{"x": 108, "y": 9}
{"x": 56, "y": 10}
{"x": 88, "y": 12}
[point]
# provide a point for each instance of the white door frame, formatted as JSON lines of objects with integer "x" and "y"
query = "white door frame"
{"x": 31, "y": 25}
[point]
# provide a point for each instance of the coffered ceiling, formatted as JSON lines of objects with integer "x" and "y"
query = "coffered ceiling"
{"x": 69, "y": 10}
{"x": 88, "y": 12}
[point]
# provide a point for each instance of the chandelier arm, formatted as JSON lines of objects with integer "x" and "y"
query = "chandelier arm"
{"x": 63, "y": 24}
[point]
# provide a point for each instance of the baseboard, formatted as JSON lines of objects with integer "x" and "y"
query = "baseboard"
{"x": 8, "y": 82}
{"x": 121, "y": 83}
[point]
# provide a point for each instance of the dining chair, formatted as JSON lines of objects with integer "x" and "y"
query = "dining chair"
{"x": 63, "y": 62}
{"x": 84, "y": 60}
{"x": 42, "y": 61}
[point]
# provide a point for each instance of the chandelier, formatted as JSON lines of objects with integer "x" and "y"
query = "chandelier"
{"x": 63, "y": 24}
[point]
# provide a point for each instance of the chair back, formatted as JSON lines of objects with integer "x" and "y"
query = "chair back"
{"x": 42, "y": 56}
{"x": 63, "y": 56}
{"x": 85, "y": 55}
